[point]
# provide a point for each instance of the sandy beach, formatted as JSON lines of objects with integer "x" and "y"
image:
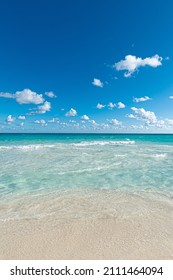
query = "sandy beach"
{"x": 86, "y": 197}
{"x": 148, "y": 236}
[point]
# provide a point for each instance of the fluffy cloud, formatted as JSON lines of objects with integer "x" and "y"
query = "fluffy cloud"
{"x": 131, "y": 63}
{"x": 10, "y": 119}
{"x": 21, "y": 117}
{"x": 93, "y": 122}
{"x": 50, "y": 94}
{"x": 7, "y": 95}
{"x": 25, "y": 96}
{"x": 141, "y": 99}
{"x": 169, "y": 122}
{"x": 115, "y": 122}
{"x": 131, "y": 116}
{"x": 97, "y": 83}
{"x": 111, "y": 105}
{"x": 85, "y": 117}
{"x": 100, "y": 106}
{"x": 71, "y": 113}
{"x": 148, "y": 116}
{"x": 171, "y": 97}
{"x": 42, "y": 122}
{"x": 42, "y": 109}
{"x": 120, "y": 105}
{"x": 137, "y": 127}
{"x": 54, "y": 120}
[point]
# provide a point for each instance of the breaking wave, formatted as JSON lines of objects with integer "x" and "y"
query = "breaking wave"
{"x": 33, "y": 147}
{"x": 103, "y": 143}
{"x": 26, "y": 147}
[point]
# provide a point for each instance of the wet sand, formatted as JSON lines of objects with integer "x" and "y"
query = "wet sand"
{"x": 145, "y": 236}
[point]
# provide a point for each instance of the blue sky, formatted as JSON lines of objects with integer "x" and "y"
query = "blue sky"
{"x": 86, "y": 66}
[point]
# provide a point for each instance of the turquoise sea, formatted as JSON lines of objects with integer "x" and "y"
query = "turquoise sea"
{"x": 80, "y": 175}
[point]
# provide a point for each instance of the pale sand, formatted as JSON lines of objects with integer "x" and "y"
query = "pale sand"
{"x": 143, "y": 233}
{"x": 94, "y": 239}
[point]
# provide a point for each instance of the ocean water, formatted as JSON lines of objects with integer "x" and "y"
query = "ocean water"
{"x": 84, "y": 175}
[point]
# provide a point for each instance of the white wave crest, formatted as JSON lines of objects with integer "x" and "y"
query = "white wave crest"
{"x": 160, "y": 156}
{"x": 32, "y": 147}
{"x": 103, "y": 143}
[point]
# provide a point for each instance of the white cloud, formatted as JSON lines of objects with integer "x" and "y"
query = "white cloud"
{"x": 131, "y": 116}
{"x": 115, "y": 122}
{"x": 100, "y": 106}
{"x": 42, "y": 109}
{"x": 76, "y": 125}
{"x": 105, "y": 125}
{"x": 120, "y": 105}
{"x": 42, "y": 122}
{"x": 141, "y": 99}
{"x": 171, "y": 97}
{"x": 54, "y": 120}
{"x": 50, "y": 94}
{"x": 160, "y": 123}
{"x": 169, "y": 121}
{"x": 71, "y": 113}
{"x": 131, "y": 63}
{"x": 85, "y": 117}
{"x": 148, "y": 116}
{"x": 7, "y": 95}
{"x": 64, "y": 124}
{"x": 93, "y": 122}
{"x": 10, "y": 119}
{"x": 97, "y": 83}
{"x": 22, "y": 124}
{"x": 137, "y": 127}
{"x": 25, "y": 96}
{"x": 111, "y": 105}
{"x": 21, "y": 117}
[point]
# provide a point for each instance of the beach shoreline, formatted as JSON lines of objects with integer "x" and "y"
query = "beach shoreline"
{"x": 78, "y": 197}
{"x": 148, "y": 236}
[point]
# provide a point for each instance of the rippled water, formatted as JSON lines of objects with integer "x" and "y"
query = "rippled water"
{"x": 82, "y": 174}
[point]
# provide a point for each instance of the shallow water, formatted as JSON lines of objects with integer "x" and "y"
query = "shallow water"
{"x": 77, "y": 175}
